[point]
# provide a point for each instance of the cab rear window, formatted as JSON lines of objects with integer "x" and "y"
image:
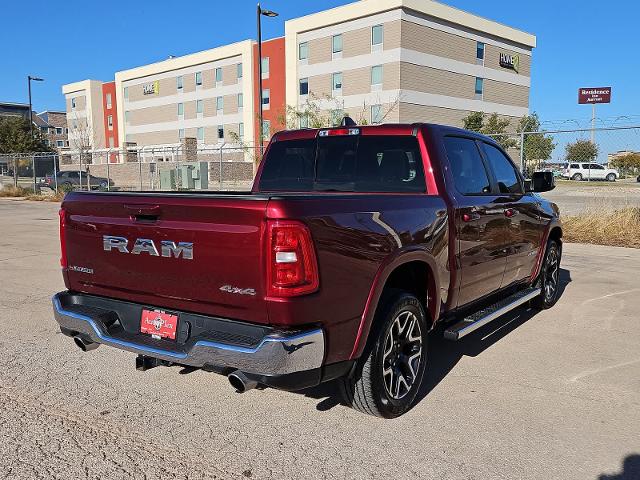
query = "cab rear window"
{"x": 345, "y": 164}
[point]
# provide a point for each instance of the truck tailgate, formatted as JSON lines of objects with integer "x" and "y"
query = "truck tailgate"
{"x": 224, "y": 277}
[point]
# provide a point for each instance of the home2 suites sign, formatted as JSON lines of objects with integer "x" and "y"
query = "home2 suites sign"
{"x": 151, "y": 88}
{"x": 511, "y": 61}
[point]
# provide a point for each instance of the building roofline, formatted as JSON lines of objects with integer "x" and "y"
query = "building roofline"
{"x": 364, "y": 8}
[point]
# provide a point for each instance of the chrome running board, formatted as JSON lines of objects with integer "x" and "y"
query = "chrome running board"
{"x": 484, "y": 316}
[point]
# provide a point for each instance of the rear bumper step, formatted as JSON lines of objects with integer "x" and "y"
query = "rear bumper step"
{"x": 256, "y": 350}
{"x": 486, "y": 315}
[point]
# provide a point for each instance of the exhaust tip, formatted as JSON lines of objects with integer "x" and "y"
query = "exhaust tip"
{"x": 241, "y": 382}
{"x": 84, "y": 345}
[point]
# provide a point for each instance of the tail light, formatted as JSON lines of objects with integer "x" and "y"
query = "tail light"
{"x": 292, "y": 267}
{"x": 63, "y": 243}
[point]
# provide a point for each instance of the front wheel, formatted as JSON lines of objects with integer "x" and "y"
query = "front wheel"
{"x": 611, "y": 177}
{"x": 390, "y": 372}
{"x": 577, "y": 177}
{"x": 549, "y": 279}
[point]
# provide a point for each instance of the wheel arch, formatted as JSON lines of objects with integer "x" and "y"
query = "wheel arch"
{"x": 413, "y": 271}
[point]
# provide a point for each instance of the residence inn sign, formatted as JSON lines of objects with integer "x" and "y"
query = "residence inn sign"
{"x": 594, "y": 95}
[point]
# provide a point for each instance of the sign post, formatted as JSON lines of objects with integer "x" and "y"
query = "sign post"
{"x": 593, "y": 96}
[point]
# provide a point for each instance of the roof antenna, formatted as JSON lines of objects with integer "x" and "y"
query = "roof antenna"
{"x": 347, "y": 121}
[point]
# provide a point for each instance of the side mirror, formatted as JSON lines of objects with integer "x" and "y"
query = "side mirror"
{"x": 540, "y": 182}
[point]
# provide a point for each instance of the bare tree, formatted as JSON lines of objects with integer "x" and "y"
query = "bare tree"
{"x": 82, "y": 140}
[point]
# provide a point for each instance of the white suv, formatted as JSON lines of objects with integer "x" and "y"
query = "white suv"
{"x": 593, "y": 171}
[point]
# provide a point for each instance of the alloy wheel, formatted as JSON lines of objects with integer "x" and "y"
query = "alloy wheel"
{"x": 552, "y": 274}
{"x": 402, "y": 355}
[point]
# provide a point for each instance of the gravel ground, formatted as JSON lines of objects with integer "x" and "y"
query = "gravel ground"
{"x": 551, "y": 395}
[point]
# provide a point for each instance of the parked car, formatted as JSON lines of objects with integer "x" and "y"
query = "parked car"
{"x": 592, "y": 171}
{"x": 354, "y": 243}
{"x": 75, "y": 178}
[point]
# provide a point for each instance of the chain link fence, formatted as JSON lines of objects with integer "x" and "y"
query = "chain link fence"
{"x": 553, "y": 150}
{"x": 178, "y": 168}
{"x": 134, "y": 169}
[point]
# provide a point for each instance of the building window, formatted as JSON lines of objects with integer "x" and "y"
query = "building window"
{"x": 200, "y": 134}
{"x": 108, "y": 100}
{"x": 303, "y": 51}
{"x": 241, "y": 130}
{"x": 59, "y": 130}
{"x": 127, "y": 119}
{"x": 240, "y": 100}
{"x": 59, "y": 143}
{"x": 480, "y": 53}
{"x": 220, "y": 132}
{"x": 377, "y": 35}
{"x": 376, "y": 75}
{"x": 266, "y": 97}
{"x": 265, "y": 67}
{"x": 479, "y": 87}
{"x": 110, "y": 122}
{"x": 266, "y": 129}
{"x": 180, "y": 109}
{"x": 198, "y": 78}
{"x": 304, "y": 86}
{"x": 199, "y": 106}
{"x": 126, "y": 93}
{"x": 219, "y": 104}
{"x": 239, "y": 70}
{"x": 376, "y": 113}
{"x": 304, "y": 121}
{"x": 181, "y": 134}
{"x": 218, "y": 74}
{"x": 75, "y": 123}
{"x": 336, "y": 43}
{"x": 66, "y": 130}
{"x": 179, "y": 81}
{"x": 336, "y": 82}
{"x": 73, "y": 104}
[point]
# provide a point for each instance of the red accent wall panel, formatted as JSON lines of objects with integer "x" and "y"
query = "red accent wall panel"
{"x": 274, "y": 49}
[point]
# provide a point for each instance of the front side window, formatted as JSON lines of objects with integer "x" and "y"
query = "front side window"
{"x": 336, "y": 81}
{"x": 376, "y": 75}
{"x": 218, "y": 74}
{"x": 337, "y": 43}
{"x": 304, "y": 86}
{"x": 506, "y": 176}
{"x": 303, "y": 51}
{"x": 377, "y": 35}
{"x": 467, "y": 168}
{"x": 345, "y": 163}
{"x": 198, "y": 78}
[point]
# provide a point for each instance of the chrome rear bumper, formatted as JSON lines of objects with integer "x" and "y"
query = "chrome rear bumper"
{"x": 276, "y": 353}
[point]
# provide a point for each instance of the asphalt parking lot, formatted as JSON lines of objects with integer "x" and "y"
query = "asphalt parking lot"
{"x": 550, "y": 395}
{"x": 574, "y": 198}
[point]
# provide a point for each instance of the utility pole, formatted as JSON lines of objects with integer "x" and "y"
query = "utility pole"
{"x": 29, "y": 79}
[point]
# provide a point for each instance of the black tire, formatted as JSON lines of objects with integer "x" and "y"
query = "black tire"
{"x": 577, "y": 177}
{"x": 611, "y": 177}
{"x": 549, "y": 279}
{"x": 369, "y": 389}
{"x": 104, "y": 184}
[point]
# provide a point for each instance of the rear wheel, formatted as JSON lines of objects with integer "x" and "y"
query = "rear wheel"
{"x": 577, "y": 177}
{"x": 390, "y": 372}
{"x": 611, "y": 177}
{"x": 549, "y": 280}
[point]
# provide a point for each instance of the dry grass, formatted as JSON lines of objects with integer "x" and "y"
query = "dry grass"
{"x": 11, "y": 191}
{"x": 56, "y": 197}
{"x": 618, "y": 228}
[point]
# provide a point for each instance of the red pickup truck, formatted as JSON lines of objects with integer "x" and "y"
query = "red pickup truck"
{"x": 354, "y": 243}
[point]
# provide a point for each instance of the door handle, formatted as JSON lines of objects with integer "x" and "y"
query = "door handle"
{"x": 510, "y": 212}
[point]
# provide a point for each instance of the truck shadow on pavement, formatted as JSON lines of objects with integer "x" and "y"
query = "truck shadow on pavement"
{"x": 444, "y": 354}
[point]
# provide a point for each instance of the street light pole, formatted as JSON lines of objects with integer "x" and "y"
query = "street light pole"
{"x": 35, "y": 79}
{"x": 267, "y": 13}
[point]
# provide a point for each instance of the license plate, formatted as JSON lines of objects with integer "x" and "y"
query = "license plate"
{"x": 159, "y": 324}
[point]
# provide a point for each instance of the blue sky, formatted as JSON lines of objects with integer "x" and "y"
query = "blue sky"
{"x": 579, "y": 44}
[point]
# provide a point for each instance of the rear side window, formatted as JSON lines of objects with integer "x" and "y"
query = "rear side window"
{"x": 345, "y": 164}
{"x": 467, "y": 167}
{"x": 506, "y": 176}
